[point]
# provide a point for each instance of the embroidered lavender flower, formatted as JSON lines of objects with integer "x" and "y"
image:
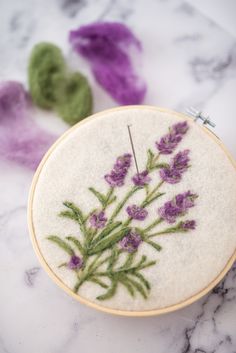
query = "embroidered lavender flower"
{"x": 141, "y": 179}
{"x": 98, "y": 220}
{"x": 131, "y": 241}
{"x": 123, "y": 162}
{"x": 180, "y": 128}
{"x": 170, "y": 141}
{"x": 179, "y": 164}
{"x": 136, "y": 212}
{"x": 185, "y": 200}
{"x": 177, "y": 207}
{"x": 119, "y": 171}
{"x": 187, "y": 225}
{"x": 75, "y": 263}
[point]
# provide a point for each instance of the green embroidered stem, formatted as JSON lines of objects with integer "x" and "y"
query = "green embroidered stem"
{"x": 147, "y": 199}
{"x": 123, "y": 202}
{"x": 109, "y": 200}
{"x": 170, "y": 230}
{"x": 108, "y": 242}
{"x": 152, "y": 162}
{"x": 105, "y": 232}
{"x": 89, "y": 271}
{"x": 152, "y": 225}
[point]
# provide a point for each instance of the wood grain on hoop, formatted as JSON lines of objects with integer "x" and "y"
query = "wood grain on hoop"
{"x": 56, "y": 279}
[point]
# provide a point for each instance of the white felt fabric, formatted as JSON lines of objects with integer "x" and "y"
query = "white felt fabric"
{"x": 188, "y": 262}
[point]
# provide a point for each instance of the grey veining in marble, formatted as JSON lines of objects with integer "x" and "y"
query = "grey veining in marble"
{"x": 188, "y": 59}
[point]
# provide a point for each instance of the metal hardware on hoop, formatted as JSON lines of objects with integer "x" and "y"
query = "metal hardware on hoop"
{"x": 199, "y": 115}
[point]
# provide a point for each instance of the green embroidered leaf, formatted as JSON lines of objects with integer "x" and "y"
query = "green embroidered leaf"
{"x": 76, "y": 210}
{"x": 68, "y": 214}
{"x": 129, "y": 261}
{"x": 105, "y": 232}
{"x": 108, "y": 241}
{"x": 61, "y": 243}
{"x": 111, "y": 291}
{"x": 150, "y": 159}
{"x": 108, "y": 199}
{"x": 112, "y": 200}
{"x": 98, "y": 281}
{"x": 154, "y": 245}
{"x": 93, "y": 264}
{"x": 142, "y": 260}
{"x": 64, "y": 264}
{"x": 75, "y": 214}
{"x": 77, "y": 286}
{"x": 138, "y": 287}
{"x": 148, "y": 264}
{"x": 142, "y": 279}
{"x": 77, "y": 243}
{"x": 113, "y": 258}
{"x": 126, "y": 283}
{"x": 101, "y": 198}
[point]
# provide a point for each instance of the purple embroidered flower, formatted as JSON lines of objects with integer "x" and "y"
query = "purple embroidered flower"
{"x": 137, "y": 212}
{"x": 185, "y": 200}
{"x": 123, "y": 162}
{"x": 180, "y": 128}
{"x": 187, "y": 225}
{"x": 177, "y": 207}
{"x": 179, "y": 164}
{"x": 119, "y": 171}
{"x": 170, "y": 141}
{"x": 75, "y": 263}
{"x": 131, "y": 241}
{"x": 98, "y": 220}
{"x": 180, "y": 161}
{"x": 141, "y": 179}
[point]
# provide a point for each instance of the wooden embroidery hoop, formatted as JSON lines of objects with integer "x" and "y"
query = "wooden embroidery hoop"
{"x": 58, "y": 281}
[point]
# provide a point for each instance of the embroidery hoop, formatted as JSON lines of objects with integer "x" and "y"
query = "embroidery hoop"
{"x": 59, "y": 282}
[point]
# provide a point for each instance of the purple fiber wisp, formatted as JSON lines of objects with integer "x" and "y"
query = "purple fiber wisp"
{"x": 21, "y": 140}
{"x": 107, "y": 47}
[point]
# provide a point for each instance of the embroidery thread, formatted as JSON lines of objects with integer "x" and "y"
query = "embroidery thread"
{"x": 96, "y": 255}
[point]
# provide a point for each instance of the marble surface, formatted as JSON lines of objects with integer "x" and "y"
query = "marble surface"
{"x": 189, "y": 59}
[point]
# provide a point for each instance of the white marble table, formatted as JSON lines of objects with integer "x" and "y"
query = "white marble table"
{"x": 189, "y": 59}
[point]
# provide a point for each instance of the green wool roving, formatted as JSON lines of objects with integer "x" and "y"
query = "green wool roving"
{"x": 46, "y": 72}
{"x": 76, "y": 99}
{"x": 52, "y": 87}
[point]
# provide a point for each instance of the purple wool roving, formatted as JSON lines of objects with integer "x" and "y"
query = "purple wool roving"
{"x": 21, "y": 140}
{"x": 107, "y": 47}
